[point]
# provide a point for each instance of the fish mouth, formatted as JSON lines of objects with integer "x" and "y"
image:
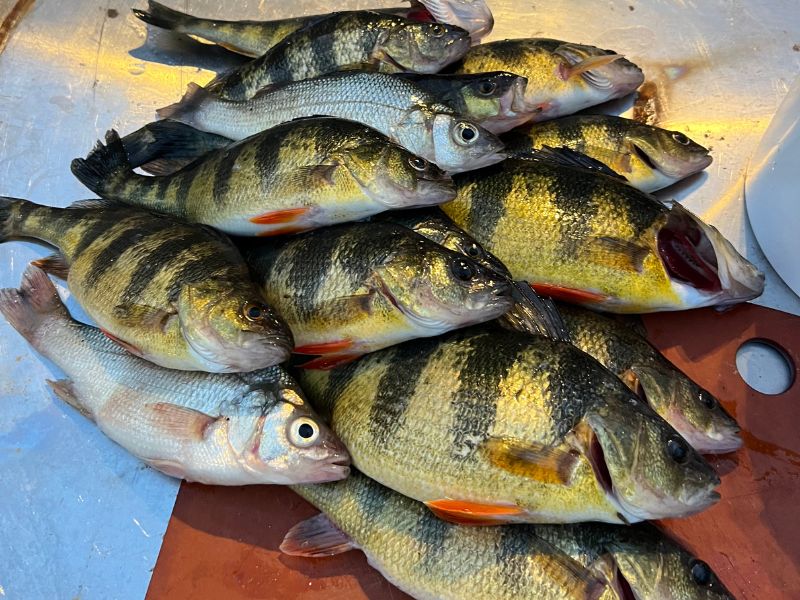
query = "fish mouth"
{"x": 718, "y": 441}
{"x": 478, "y": 162}
{"x": 675, "y": 168}
{"x": 696, "y": 255}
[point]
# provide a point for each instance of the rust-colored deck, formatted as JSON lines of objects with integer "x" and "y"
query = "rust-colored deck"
{"x": 223, "y": 542}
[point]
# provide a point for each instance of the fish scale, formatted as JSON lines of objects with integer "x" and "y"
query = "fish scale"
{"x": 295, "y": 177}
{"x": 430, "y": 559}
{"x": 135, "y": 276}
{"x": 493, "y": 431}
{"x": 355, "y": 288}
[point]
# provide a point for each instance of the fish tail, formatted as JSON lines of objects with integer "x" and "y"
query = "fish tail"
{"x": 14, "y": 215}
{"x": 35, "y": 302}
{"x": 184, "y": 110}
{"x": 105, "y": 167}
{"x": 161, "y": 16}
{"x": 169, "y": 140}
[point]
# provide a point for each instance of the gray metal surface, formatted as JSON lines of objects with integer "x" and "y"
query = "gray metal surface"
{"x": 81, "y": 519}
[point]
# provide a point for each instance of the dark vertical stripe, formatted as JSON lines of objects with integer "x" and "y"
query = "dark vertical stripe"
{"x": 311, "y": 259}
{"x": 224, "y": 171}
{"x": 486, "y": 361}
{"x": 489, "y": 197}
{"x": 159, "y": 257}
{"x": 397, "y": 386}
{"x": 130, "y": 232}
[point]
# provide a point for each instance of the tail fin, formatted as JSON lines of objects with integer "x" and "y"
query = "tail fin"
{"x": 10, "y": 216}
{"x": 159, "y": 15}
{"x": 104, "y": 166}
{"x": 169, "y": 140}
{"x": 35, "y": 302}
{"x": 184, "y": 109}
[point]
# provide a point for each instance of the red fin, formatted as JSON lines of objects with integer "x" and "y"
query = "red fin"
{"x": 55, "y": 265}
{"x": 290, "y": 215}
{"x": 129, "y": 347}
{"x": 282, "y": 231}
{"x": 324, "y": 363}
{"x": 473, "y": 513}
{"x": 316, "y": 537}
{"x": 568, "y": 294}
{"x": 324, "y": 348}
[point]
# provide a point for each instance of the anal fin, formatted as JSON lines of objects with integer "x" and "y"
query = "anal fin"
{"x": 316, "y": 537}
{"x": 571, "y": 295}
{"x": 331, "y": 361}
{"x": 279, "y": 217}
{"x": 129, "y": 347}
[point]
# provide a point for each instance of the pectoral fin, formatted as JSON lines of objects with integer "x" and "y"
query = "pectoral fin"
{"x": 141, "y": 315}
{"x": 316, "y": 537}
{"x": 547, "y": 464}
{"x": 473, "y": 513}
{"x": 179, "y": 422}
{"x": 587, "y": 64}
{"x": 618, "y": 253}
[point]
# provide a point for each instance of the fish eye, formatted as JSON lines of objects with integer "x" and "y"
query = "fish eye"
{"x": 466, "y": 133}
{"x": 680, "y": 138}
{"x": 708, "y": 400}
{"x": 462, "y": 270}
{"x": 472, "y": 250}
{"x": 437, "y": 31}
{"x": 701, "y": 573}
{"x": 487, "y": 87}
{"x": 253, "y": 311}
{"x": 418, "y": 164}
{"x": 677, "y": 449}
{"x": 303, "y": 432}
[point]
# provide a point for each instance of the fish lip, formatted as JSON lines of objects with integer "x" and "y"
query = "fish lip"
{"x": 680, "y": 168}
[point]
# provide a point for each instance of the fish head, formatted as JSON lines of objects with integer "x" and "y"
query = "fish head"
{"x": 703, "y": 267}
{"x": 391, "y": 175}
{"x": 694, "y": 412}
{"x": 583, "y": 76}
{"x": 439, "y": 290}
{"x": 277, "y": 433}
{"x": 462, "y": 145}
{"x": 651, "y": 566}
{"x": 646, "y": 468}
{"x": 496, "y": 100}
{"x": 422, "y": 47}
{"x": 446, "y": 233}
{"x": 670, "y": 154}
{"x": 474, "y": 16}
{"x": 231, "y": 328}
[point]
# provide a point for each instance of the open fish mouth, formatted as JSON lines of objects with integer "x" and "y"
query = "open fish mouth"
{"x": 696, "y": 255}
{"x": 675, "y": 168}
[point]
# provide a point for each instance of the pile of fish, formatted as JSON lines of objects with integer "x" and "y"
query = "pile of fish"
{"x": 473, "y": 428}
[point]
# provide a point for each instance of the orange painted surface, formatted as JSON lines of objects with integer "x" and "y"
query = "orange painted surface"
{"x": 223, "y": 542}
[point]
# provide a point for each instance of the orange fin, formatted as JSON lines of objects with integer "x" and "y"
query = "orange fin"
{"x": 282, "y": 231}
{"x": 548, "y": 464}
{"x": 55, "y": 265}
{"x": 473, "y": 513}
{"x": 129, "y": 347}
{"x": 180, "y": 422}
{"x": 316, "y": 537}
{"x": 324, "y": 348}
{"x": 566, "y": 294}
{"x": 325, "y": 363}
{"x": 289, "y": 215}
{"x": 587, "y": 64}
